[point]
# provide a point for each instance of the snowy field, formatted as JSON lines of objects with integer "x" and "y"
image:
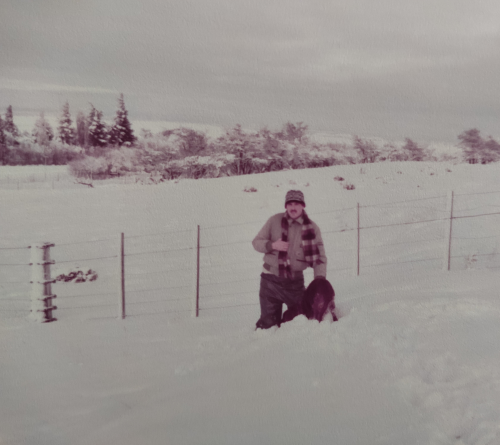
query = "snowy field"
{"x": 414, "y": 358}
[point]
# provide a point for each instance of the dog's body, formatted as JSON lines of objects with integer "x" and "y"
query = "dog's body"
{"x": 317, "y": 301}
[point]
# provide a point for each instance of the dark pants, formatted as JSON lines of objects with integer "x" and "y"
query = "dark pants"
{"x": 274, "y": 291}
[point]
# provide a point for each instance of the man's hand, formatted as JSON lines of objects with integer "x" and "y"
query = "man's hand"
{"x": 280, "y": 245}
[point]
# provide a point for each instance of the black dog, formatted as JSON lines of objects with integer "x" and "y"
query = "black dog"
{"x": 318, "y": 299}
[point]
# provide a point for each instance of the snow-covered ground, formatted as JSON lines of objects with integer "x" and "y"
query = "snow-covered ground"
{"x": 414, "y": 358}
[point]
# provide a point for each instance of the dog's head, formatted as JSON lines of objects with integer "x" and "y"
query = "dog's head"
{"x": 320, "y": 305}
{"x": 318, "y": 298}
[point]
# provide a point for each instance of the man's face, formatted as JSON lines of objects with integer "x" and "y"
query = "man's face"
{"x": 294, "y": 209}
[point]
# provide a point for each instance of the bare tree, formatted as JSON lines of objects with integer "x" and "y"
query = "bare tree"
{"x": 367, "y": 149}
{"x": 472, "y": 145}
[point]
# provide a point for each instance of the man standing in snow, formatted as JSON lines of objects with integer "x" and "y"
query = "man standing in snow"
{"x": 290, "y": 242}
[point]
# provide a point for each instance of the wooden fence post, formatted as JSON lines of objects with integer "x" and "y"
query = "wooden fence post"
{"x": 41, "y": 290}
{"x": 448, "y": 237}
{"x": 122, "y": 311}
{"x": 196, "y": 290}
{"x": 357, "y": 259}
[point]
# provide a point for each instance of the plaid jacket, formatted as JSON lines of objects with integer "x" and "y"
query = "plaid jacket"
{"x": 272, "y": 232}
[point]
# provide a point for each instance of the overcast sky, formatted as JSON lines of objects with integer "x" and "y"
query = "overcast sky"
{"x": 426, "y": 69}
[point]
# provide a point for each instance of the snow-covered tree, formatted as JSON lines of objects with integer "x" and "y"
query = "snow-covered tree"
{"x": 191, "y": 142}
{"x": 491, "y": 150}
{"x": 10, "y": 129}
{"x": 42, "y": 132}
{"x": 82, "y": 130}
{"x": 65, "y": 131}
{"x": 292, "y": 132}
{"x": 3, "y": 145}
{"x": 367, "y": 149}
{"x": 122, "y": 133}
{"x": 472, "y": 144}
{"x": 97, "y": 134}
{"x": 413, "y": 151}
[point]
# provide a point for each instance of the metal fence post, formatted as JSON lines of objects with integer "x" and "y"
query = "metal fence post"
{"x": 41, "y": 290}
{"x": 122, "y": 312}
{"x": 196, "y": 290}
{"x": 448, "y": 237}
{"x": 357, "y": 259}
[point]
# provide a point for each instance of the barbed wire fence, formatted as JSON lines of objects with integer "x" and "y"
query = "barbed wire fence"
{"x": 204, "y": 268}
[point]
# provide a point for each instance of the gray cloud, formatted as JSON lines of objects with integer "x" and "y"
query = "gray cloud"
{"x": 427, "y": 69}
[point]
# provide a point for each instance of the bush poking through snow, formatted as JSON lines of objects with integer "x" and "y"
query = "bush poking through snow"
{"x": 470, "y": 261}
{"x": 77, "y": 276}
{"x": 249, "y": 189}
{"x": 338, "y": 178}
{"x": 348, "y": 186}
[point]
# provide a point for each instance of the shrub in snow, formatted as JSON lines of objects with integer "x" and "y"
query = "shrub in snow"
{"x": 249, "y": 189}
{"x": 470, "y": 261}
{"x": 114, "y": 162}
{"x": 187, "y": 141}
{"x": 367, "y": 150}
{"x": 348, "y": 186}
{"x": 89, "y": 167}
{"x": 77, "y": 276}
{"x": 25, "y": 153}
{"x": 122, "y": 161}
{"x": 338, "y": 178}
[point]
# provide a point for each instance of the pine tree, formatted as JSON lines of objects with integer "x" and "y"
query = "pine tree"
{"x": 122, "y": 133}
{"x": 2, "y": 134}
{"x": 66, "y": 132}
{"x": 42, "y": 132}
{"x": 3, "y": 143}
{"x": 9, "y": 126}
{"x": 98, "y": 136}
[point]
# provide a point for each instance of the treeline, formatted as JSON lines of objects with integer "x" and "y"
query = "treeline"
{"x": 187, "y": 153}
{"x": 68, "y": 142}
{"x": 96, "y": 149}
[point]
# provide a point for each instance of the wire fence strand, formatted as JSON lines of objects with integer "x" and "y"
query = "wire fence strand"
{"x": 405, "y": 223}
{"x": 157, "y": 301}
{"x": 405, "y": 201}
{"x": 85, "y": 307}
{"x": 229, "y": 293}
{"x": 86, "y": 295}
{"x": 404, "y": 242}
{"x": 476, "y": 237}
{"x": 226, "y": 244}
{"x": 476, "y": 193}
{"x": 86, "y": 242}
{"x": 475, "y": 216}
{"x": 158, "y": 234}
{"x": 401, "y": 262}
{"x": 88, "y": 259}
{"x": 227, "y": 307}
{"x": 23, "y": 264}
{"x": 15, "y": 248}
{"x": 159, "y": 251}
{"x": 157, "y": 288}
{"x": 226, "y": 282}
